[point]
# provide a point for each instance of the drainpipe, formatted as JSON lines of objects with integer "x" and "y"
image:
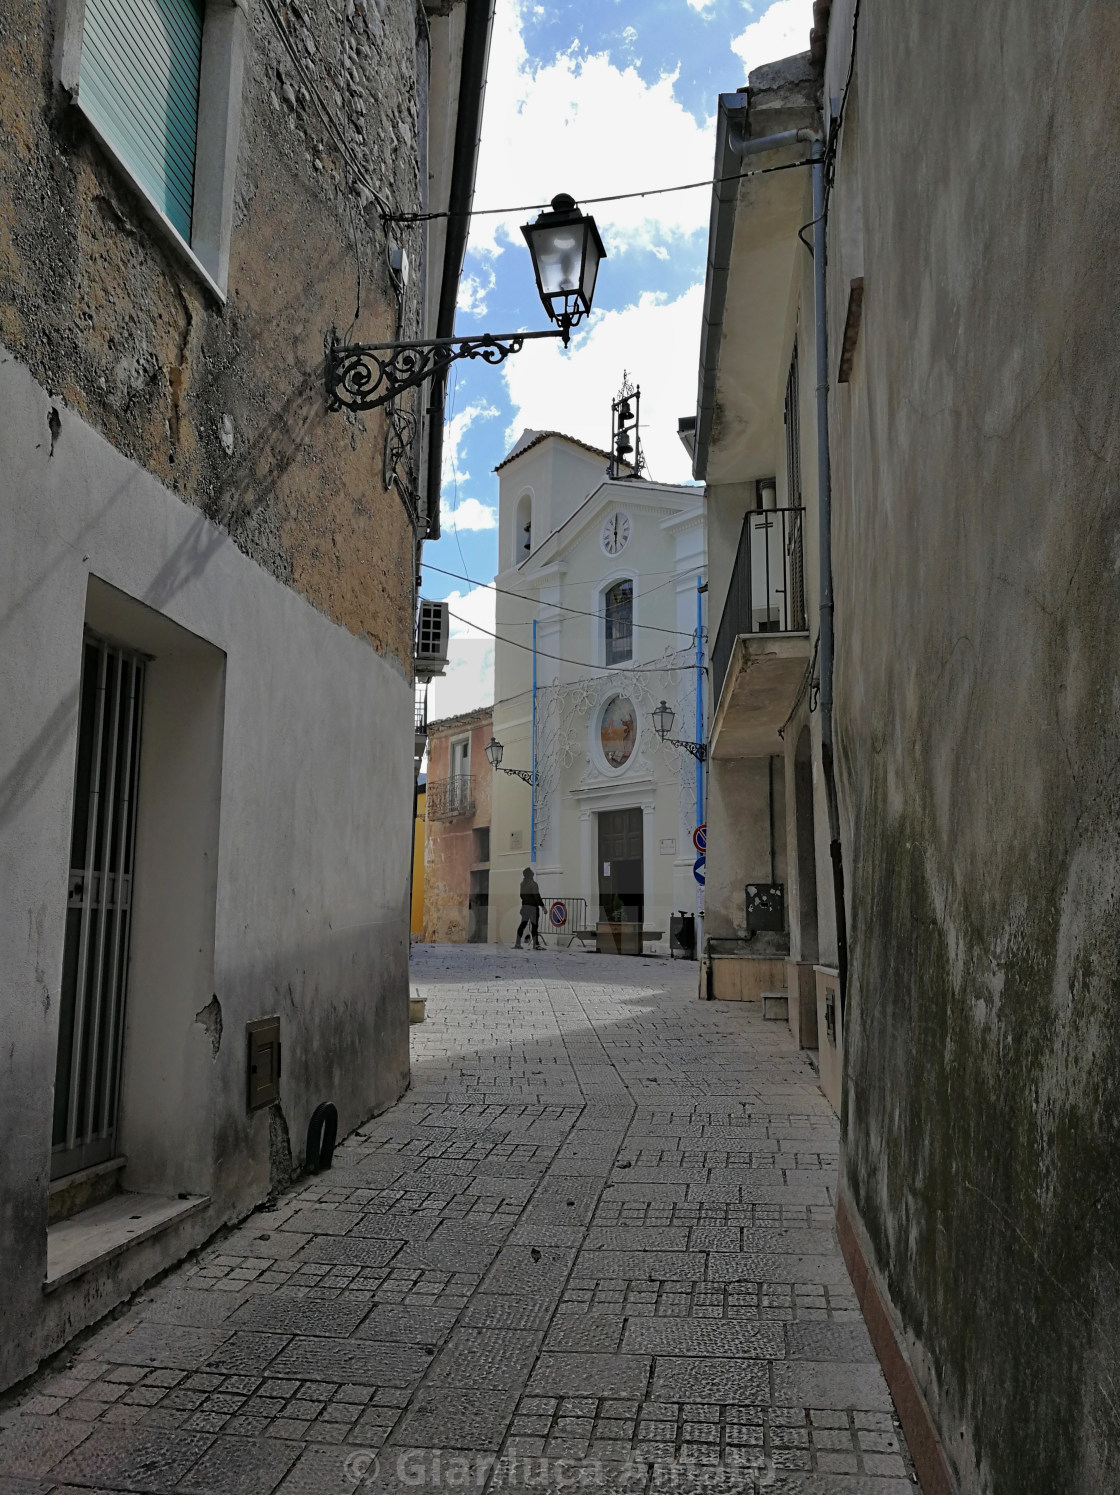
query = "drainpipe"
{"x": 741, "y": 146}
{"x": 827, "y": 608}
{"x": 533, "y": 782}
{"x": 700, "y": 737}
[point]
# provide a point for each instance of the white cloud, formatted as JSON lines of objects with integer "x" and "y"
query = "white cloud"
{"x": 581, "y": 124}
{"x": 657, "y": 341}
{"x": 701, "y": 5}
{"x": 469, "y": 681}
{"x": 473, "y": 291}
{"x": 471, "y": 514}
{"x": 472, "y": 612}
{"x": 781, "y": 31}
{"x": 454, "y": 434}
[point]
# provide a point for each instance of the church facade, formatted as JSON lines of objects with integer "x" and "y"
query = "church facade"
{"x": 601, "y": 592}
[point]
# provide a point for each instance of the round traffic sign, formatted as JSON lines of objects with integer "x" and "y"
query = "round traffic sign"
{"x": 698, "y": 869}
{"x": 558, "y": 914}
{"x": 700, "y": 838}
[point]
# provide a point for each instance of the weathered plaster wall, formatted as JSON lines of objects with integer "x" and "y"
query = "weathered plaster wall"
{"x": 977, "y": 495}
{"x": 450, "y": 846}
{"x": 225, "y": 405}
{"x": 738, "y": 808}
{"x": 294, "y": 857}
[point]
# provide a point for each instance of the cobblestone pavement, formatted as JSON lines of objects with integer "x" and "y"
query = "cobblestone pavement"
{"x": 592, "y": 1246}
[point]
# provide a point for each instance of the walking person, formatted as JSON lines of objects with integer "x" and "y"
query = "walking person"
{"x": 531, "y": 905}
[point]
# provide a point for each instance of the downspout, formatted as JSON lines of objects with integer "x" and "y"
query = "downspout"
{"x": 740, "y": 145}
{"x": 827, "y": 606}
{"x": 468, "y": 127}
{"x": 700, "y": 737}
{"x": 533, "y": 780}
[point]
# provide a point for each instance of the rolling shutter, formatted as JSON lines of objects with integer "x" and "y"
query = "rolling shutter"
{"x": 139, "y": 86}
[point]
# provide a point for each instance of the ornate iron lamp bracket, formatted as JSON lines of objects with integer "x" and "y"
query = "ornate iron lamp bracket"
{"x": 365, "y": 376}
{"x": 697, "y": 749}
{"x": 520, "y": 773}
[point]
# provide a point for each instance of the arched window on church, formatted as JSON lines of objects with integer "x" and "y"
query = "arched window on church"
{"x": 523, "y": 531}
{"x": 618, "y": 622}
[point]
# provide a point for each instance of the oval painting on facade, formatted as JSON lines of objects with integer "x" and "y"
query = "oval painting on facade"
{"x": 618, "y": 730}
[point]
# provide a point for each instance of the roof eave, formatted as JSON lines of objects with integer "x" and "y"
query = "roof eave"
{"x": 732, "y": 113}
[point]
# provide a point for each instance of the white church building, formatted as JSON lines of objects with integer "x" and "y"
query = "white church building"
{"x": 601, "y": 590}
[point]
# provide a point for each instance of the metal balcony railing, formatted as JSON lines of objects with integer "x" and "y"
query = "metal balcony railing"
{"x": 767, "y": 591}
{"x": 450, "y": 797}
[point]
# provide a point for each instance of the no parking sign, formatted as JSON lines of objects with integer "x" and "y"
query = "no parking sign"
{"x": 700, "y": 838}
{"x": 558, "y": 914}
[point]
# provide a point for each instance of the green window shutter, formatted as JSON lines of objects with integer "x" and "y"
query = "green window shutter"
{"x": 139, "y": 85}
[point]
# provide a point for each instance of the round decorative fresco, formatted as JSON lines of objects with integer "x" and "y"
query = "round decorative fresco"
{"x": 618, "y": 730}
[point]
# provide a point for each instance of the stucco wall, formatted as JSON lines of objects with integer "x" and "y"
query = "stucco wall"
{"x": 297, "y": 862}
{"x": 450, "y": 845}
{"x": 978, "y": 622}
{"x": 105, "y": 314}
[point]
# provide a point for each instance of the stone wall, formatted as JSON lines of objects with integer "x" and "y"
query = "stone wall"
{"x": 976, "y": 461}
{"x": 226, "y": 405}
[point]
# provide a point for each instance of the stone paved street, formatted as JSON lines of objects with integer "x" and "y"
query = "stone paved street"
{"x": 594, "y": 1243}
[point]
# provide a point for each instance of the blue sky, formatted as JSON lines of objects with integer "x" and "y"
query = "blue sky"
{"x": 590, "y": 97}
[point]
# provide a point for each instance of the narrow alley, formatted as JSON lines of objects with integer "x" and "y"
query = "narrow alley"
{"x": 593, "y": 1244}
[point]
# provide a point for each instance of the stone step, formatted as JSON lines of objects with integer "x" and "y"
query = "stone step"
{"x": 775, "y": 1006}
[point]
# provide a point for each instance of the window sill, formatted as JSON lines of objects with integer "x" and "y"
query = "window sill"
{"x": 158, "y": 219}
{"x": 96, "y": 1235}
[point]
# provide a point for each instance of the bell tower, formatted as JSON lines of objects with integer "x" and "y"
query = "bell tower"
{"x": 626, "y": 459}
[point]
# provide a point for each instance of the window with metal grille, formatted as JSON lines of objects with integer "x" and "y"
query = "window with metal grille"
{"x": 618, "y": 623}
{"x": 98, "y": 908}
{"x": 139, "y": 86}
{"x": 482, "y": 843}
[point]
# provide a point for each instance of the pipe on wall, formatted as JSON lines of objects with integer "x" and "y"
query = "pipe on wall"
{"x": 742, "y": 146}
{"x": 827, "y": 606}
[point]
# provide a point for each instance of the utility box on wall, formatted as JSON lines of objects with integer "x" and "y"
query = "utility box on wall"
{"x": 263, "y": 1062}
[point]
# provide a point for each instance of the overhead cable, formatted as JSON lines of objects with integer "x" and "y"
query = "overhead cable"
{"x": 583, "y": 612}
{"x": 534, "y": 207}
{"x": 580, "y": 664}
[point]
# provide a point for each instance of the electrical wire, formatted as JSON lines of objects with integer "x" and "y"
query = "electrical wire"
{"x": 838, "y": 122}
{"x": 383, "y": 206}
{"x": 583, "y": 612}
{"x": 533, "y": 207}
{"x": 581, "y": 664}
{"x": 833, "y": 143}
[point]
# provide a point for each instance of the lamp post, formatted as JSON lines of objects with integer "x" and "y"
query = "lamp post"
{"x": 566, "y": 251}
{"x": 494, "y": 751}
{"x": 663, "y": 718}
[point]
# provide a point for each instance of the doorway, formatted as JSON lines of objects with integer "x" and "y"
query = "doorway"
{"x": 621, "y": 888}
{"x": 478, "y": 908}
{"x": 98, "y": 909}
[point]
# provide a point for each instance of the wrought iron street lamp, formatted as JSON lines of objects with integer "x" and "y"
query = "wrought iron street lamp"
{"x": 663, "y": 718}
{"x": 494, "y": 751}
{"x": 566, "y": 251}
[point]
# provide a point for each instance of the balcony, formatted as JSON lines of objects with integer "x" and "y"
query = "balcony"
{"x": 762, "y": 646}
{"x": 448, "y": 798}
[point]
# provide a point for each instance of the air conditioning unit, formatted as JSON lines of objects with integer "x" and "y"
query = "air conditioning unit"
{"x": 431, "y": 640}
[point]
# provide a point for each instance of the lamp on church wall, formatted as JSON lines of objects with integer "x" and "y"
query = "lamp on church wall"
{"x": 663, "y": 718}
